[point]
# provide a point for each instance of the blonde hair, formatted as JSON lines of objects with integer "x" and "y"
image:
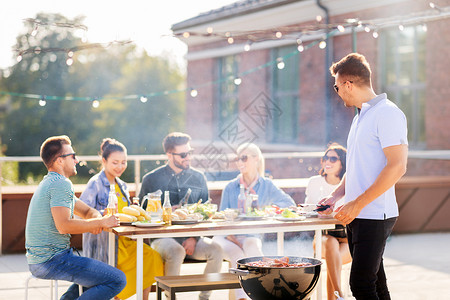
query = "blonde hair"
{"x": 254, "y": 150}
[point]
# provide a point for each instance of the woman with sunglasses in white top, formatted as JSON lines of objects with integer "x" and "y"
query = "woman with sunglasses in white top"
{"x": 334, "y": 242}
{"x": 250, "y": 163}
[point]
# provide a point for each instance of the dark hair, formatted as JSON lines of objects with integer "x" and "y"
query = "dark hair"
{"x": 175, "y": 139}
{"x": 51, "y": 148}
{"x": 109, "y": 146}
{"x": 342, "y": 153}
{"x": 353, "y": 67}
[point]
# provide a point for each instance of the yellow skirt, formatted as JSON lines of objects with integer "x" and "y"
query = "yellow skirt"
{"x": 126, "y": 262}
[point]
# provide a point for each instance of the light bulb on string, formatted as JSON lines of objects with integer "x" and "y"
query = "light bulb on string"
{"x": 278, "y": 34}
{"x": 230, "y": 40}
{"x": 95, "y": 104}
{"x": 300, "y": 48}
{"x": 209, "y": 30}
{"x": 401, "y": 27}
{"x": 19, "y": 58}
{"x": 367, "y": 29}
{"x": 318, "y": 18}
{"x": 42, "y": 102}
{"x": 341, "y": 28}
{"x": 194, "y": 93}
{"x": 322, "y": 44}
{"x": 35, "y": 30}
{"x": 143, "y": 99}
{"x": 69, "y": 61}
{"x": 280, "y": 64}
{"x": 299, "y": 41}
{"x": 359, "y": 24}
{"x": 247, "y": 47}
{"x": 237, "y": 81}
{"x": 424, "y": 28}
{"x": 186, "y": 34}
{"x": 70, "y": 54}
{"x": 375, "y": 34}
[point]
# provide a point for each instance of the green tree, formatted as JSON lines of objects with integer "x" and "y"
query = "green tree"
{"x": 103, "y": 73}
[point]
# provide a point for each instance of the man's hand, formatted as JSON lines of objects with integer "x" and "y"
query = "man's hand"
{"x": 348, "y": 212}
{"x": 110, "y": 221}
{"x": 189, "y": 245}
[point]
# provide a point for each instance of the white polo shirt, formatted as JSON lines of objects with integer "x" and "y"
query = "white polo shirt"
{"x": 379, "y": 124}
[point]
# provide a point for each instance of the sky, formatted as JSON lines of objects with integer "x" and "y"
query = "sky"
{"x": 146, "y": 22}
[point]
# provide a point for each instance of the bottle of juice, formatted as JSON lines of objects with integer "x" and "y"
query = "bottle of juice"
{"x": 241, "y": 200}
{"x": 167, "y": 209}
{"x": 112, "y": 207}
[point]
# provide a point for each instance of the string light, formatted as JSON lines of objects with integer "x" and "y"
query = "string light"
{"x": 35, "y": 30}
{"x": 42, "y": 101}
{"x": 186, "y": 35}
{"x": 237, "y": 81}
{"x": 194, "y": 93}
{"x": 209, "y": 30}
{"x": 367, "y": 29}
{"x": 70, "y": 51}
{"x": 247, "y": 47}
{"x": 69, "y": 61}
{"x": 230, "y": 40}
{"x": 143, "y": 99}
{"x": 279, "y": 35}
{"x": 252, "y": 36}
{"x": 95, "y": 104}
{"x": 322, "y": 44}
{"x": 424, "y": 28}
{"x": 401, "y": 27}
{"x": 280, "y": 63}
{"x": 318, "y": 18}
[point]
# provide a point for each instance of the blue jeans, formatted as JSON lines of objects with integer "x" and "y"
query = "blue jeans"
{"x": 103, "y": 281}
{"x": 366, "y": 240}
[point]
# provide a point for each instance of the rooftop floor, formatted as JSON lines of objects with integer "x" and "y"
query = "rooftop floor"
{"x": 417, "y": 267}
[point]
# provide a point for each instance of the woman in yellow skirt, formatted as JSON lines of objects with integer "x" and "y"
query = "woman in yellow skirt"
{"x": 114, "y": 162}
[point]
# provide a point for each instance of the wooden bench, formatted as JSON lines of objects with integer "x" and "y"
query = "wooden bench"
{"x": 191, "y": 283}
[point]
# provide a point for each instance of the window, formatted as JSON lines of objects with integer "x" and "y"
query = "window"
{"x": 285, "y": 93}
{"x": 227, "y": 92}
{"x": 403, "y": 76}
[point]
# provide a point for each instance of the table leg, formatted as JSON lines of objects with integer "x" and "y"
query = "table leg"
{"x": 111, "y": 249}
{"x": 139, "y": 267}
{"x": 158, "y": 292}
{"x": 318, "y": 255}
{"x": 280, "y": 243}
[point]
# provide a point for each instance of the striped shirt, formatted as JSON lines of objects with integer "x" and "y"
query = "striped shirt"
{"x": 42, "y": 239}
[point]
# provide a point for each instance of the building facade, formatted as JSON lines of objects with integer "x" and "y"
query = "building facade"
{"x": 258, "y": 72}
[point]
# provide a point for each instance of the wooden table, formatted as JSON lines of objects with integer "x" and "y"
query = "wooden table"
{"x": 219, "y": 228}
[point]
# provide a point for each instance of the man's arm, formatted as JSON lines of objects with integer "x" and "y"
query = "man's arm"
{"x": 396, "y": 160}
{"x": 92, "y": 221}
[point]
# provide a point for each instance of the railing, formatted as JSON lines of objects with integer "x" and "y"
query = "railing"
{"x": 137, "y": 159}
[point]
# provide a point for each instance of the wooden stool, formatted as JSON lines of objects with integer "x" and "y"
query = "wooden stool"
{"x": 190, "y": 283}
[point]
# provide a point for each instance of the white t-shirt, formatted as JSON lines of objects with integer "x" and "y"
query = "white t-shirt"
{"x": 379, "y": 124}
{"x": 317, "y": 189}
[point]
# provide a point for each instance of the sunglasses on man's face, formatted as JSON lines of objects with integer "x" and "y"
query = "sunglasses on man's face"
{"x": 183, "y": 155}
{"x": 332, "y": 159}
{"x": 242, "y": 158}
{"x": 69, "y": 154}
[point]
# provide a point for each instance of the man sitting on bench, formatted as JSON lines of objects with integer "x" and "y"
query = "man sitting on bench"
{"x": 177, "y": 177}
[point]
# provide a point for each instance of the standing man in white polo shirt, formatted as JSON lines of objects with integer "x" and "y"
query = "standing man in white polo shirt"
{"x": 376, "y": 159}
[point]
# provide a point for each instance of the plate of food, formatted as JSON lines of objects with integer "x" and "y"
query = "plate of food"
{"x": 290, "y": 219}
{"x": 147, "y": 224}
{"x": 185, "y": 222}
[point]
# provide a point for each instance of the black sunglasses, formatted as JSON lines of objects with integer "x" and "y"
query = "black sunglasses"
{"x": 242, "y": 158}
{"x": 332, "y": 159}
{"x": 69, "y": 154}
{"x": 336, "y": 86}
{"x": 183, "y": 154}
